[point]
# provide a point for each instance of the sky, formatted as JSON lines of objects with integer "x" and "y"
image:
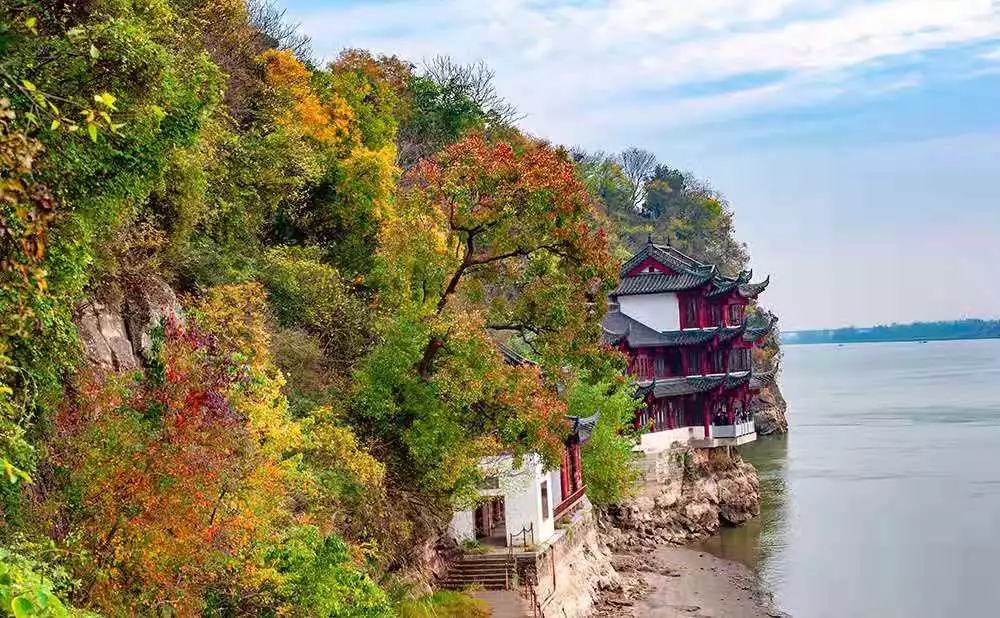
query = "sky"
{"x": 858, "y": 141}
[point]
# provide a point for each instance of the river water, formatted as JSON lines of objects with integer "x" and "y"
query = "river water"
{"x": 884, "y": 499}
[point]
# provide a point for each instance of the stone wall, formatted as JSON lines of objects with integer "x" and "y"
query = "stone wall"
{"x": 571, "y": 573}
{"x": 684, "y": 494}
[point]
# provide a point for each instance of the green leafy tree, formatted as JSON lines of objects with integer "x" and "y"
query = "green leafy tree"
{"x": 609, "y": 470}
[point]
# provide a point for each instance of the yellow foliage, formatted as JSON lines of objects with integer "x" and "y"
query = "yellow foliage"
{"x": 235, "y": 316}
{"x": 328, "y": 120}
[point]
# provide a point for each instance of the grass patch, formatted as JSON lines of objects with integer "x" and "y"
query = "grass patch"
{"x": 445, "y": 604}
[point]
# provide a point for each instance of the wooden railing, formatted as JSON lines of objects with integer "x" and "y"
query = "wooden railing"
{"x": 572, "y": 500}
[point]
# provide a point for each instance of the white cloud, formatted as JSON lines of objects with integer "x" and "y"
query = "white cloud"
{"x": 568, "y": 63}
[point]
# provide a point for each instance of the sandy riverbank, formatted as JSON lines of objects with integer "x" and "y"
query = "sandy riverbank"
{"x": 680, "y": 582}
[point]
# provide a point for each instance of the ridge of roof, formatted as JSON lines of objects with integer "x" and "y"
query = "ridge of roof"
{"x": 654, "y": 283}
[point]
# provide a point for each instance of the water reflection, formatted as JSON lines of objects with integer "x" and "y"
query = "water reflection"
{"x": 757, "y": 543}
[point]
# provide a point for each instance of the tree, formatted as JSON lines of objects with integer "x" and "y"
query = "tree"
{"x": 608, "y": 459}
{"x": 637, "y": 165}
{"x": 440, "y": 115}
{"x": 486, "y": 237}
{"x": 476, "y": 81}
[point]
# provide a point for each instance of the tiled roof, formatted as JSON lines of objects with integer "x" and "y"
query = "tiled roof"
{"x": 761, "y": 379}
{"x": 618, "y": 326}
{"x": 654, "y": 283}
{"x": 691, "y": 274}
{"x": 732, "y": 332}
{"x": 751, "y": 290}
{"x": 735, "y": 380}
{"x": 720, "y": 288}
{"x": 676, "y": 387}
{"x": 668, "y": 256}
{"x": 583, "y": 427}
{"x": 512, "y": 356}
{"x": 757, "y": 329}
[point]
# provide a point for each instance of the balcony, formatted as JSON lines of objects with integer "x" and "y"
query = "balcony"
{"x": 732, "y": 431}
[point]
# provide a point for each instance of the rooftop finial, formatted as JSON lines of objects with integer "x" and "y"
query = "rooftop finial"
{"x": 667, "y": 238}
{"x": 649, "y": 239}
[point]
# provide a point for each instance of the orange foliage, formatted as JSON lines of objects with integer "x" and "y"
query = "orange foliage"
{"x": 174, "y": 476}
{"x": 327, "y": 119}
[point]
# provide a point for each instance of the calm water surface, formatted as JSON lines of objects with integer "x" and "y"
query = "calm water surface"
{"x": 884, "y": 500}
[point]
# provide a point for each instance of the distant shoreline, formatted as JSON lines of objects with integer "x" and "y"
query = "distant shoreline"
{"x": 954, "y": 330}
{"x": 899, "y": 340}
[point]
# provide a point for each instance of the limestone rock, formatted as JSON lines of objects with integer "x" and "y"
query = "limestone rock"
{"x": 148, "y": 301}
{"x": 770, "y": 411}
{"x": 116, "y": 334}
{"x": 688, "y": 494}
{"x": 105, "y": 340}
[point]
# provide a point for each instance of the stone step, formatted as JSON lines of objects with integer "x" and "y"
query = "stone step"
{"x": 475, "y": 577}
{"x": 484, "y": 558}
{"x": 490, "y": 584}
{"x": 480, "y": 568}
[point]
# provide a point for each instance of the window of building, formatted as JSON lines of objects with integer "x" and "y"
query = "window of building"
{"x": 693, "y": 362}
{"x": 739, "y": 360}
{"x": 715, "y": 315}
{"x": 545, "y": 500}
{"x": 642, "y": 366}
{"x": 735, "y": 314}
{"x": 691, "y": 313}
{"x": 718, "y": 365}
{"x": 490, "y": 482}
{"x": 659, "y": 367}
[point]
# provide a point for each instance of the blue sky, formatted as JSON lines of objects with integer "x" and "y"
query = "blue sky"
{"x": 858, "y": 140}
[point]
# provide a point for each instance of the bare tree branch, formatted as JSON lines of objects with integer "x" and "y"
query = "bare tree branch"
{"x": 638, "y": 165}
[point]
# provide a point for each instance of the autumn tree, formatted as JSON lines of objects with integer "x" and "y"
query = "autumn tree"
{"x": 489, "y": 238}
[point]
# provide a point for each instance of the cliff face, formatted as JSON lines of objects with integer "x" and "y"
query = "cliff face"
{"x": 770, "y": 411}
{"x": 686, "y": 494}
{"x": 116, "y": 334}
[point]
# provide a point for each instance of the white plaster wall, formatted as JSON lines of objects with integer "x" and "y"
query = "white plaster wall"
{"x": 463, "y": 526}
{"x": 660, "y": 312}
{"x": 662, "y": 440}
{"x": 523, "y": 501}
{"x": 555, "y": 485}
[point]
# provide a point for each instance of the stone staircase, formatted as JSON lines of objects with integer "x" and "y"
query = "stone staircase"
{"x": 488, "y": 571}
{"x": 505, "y": 603}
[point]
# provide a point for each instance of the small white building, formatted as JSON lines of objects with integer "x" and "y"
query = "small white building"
{"x": 520, "y": 504}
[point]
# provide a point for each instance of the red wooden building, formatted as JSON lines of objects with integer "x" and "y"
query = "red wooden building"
{"x": 686, "y": 331}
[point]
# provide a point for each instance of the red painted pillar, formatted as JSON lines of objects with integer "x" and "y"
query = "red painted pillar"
{"x": 684, "y": 361}
{"x": 577, "y": 468}
{"x": 707, "y": 406}
{"x": 670, "y": 414}
{"x": 564, "y": 474}
{"x": 730, "y": 412}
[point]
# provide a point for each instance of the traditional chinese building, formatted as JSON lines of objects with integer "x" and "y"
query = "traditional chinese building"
{"x": 685, "y": 330}
{"x": 519, "y": 504}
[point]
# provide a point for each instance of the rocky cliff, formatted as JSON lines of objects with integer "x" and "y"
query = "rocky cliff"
{"x": 116, "y": 331}
{"x": 770, "y": 411}
{"x": 685, "y": 494}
